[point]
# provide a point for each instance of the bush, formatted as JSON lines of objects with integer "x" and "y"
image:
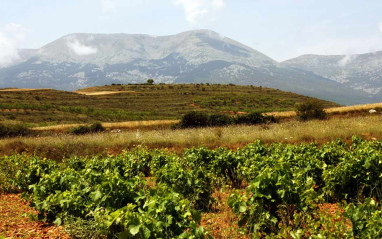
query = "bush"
{"x": 96, "y": 127}
{"x": 194, "y": 119}
{"x": 312, "y": 109}
{"x": 254, "y": 118}
{"x": 93, "y": 128}
{"x": 13, "y": 130}
{"x": 200, "y": 119}
{"x": 219, "y": 120}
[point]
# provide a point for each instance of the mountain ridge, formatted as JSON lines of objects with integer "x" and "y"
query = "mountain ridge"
{"x": 360, "y": 71}
{"x": 81, "y": 60}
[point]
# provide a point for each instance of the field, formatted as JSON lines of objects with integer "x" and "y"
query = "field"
{"x": 145, "y": 179}
{"x": 279, "y": 190}
{"x": 118, "y": 103}
{"x": 60, "y": 145}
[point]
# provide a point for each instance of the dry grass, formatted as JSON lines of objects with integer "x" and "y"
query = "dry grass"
{"x": 284, "y": 114}
{"x": 333, "y": 110}
{"x": 63, "y": 145}
{"x": 117, "y": 125}
{"x": 19, "y": 89}
{"x": 166, "y": 123}
{"x": 102, "y": 92}
{"x": 57, "y": 128}
{"x": 139, "y": 124}
{"x": 353, "y": 108}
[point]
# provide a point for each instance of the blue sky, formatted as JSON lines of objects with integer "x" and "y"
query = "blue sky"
{"x": 282, "y": 29}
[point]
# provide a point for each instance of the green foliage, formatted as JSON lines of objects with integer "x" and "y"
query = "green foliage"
{"x": 112, "y": 193}
{"x": 366, "y": 219}
{"x": 158, "y": 194}
{"x": 315, "y": 224}
{"x": 221, "y": 164}
{"x": 357, "y": 173}
{"x": 280, "y": 185}
{"x": 312, "y": 109}
{"x": 194, "y": 182}
{"x": 287, "y": 182}
{"x": 150, "y": 81}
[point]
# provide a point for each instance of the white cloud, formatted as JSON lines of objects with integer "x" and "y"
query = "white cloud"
{"x": 80, "y": 49}
{"x": 347, "y": 60}
{"x": 11, "y": 38}
{"x": 196, "y": 10}
{"x": 380, "y": 27}
{"x": 108, "y": 6}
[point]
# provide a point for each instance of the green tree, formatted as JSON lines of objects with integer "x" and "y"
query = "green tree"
{"x": 312, "y": 109}
{"x": 150, "y": 81}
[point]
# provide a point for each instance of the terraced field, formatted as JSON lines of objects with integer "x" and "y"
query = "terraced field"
{"x": 118, "y": 103}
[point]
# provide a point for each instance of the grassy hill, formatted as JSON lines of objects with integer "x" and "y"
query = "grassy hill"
{"x": 115, "y": 103}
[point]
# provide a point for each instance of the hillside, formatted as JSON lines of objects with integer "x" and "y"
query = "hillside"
{"x": 115, "y": 103}
{"x": 83, "y": 60}
{"x": 360, "y": 72}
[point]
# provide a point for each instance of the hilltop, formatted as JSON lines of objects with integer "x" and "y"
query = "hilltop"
{"x": 116, "y": 103}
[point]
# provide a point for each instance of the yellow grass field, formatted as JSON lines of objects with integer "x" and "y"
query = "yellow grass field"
{"x": 57, "y": 146}
{"x": 166, "y": 123}
{"x": 103, "y": 92}
{"x": 116, "y": 125}
{"x": 334, "y": 110}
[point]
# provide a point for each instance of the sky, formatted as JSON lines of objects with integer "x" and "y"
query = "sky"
{"x": 281, "y": 29}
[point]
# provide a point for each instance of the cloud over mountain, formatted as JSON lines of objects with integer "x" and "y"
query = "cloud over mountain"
{"x": 80, "y": 49}
{"x": 197, "y": 9}
{"x": 11, "y": 38}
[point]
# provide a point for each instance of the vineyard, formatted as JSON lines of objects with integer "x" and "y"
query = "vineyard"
{"x": 276, "y": 191}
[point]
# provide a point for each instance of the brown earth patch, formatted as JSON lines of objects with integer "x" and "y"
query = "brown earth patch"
{"x": 17, "y": 220}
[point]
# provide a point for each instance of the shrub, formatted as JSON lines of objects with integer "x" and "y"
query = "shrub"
{"x": 200, "y": 119}
{"x": 312, "y": 109}
{"x": 194, "y": 119}
{"x": 219, "y": 120}
{"x": 13, "y": 130}
{"x": 93, "y": 128}
{"x": 96, "y": 127}
{"x": 254, "y": 118}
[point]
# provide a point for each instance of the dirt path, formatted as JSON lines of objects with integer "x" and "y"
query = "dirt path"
{"x": 221, "y": 222}
{"x": 17, "y": 220}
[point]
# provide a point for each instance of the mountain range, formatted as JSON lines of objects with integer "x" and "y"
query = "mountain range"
{"x": 360, "y": 72}
{"x": 202, "y": 56}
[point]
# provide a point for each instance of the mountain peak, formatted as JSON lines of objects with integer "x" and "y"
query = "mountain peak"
{"x": 80, "y": 60}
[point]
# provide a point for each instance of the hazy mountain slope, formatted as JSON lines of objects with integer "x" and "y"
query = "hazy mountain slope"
{"x": 81, "y": 60}
{"x": 361, "y": 72}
